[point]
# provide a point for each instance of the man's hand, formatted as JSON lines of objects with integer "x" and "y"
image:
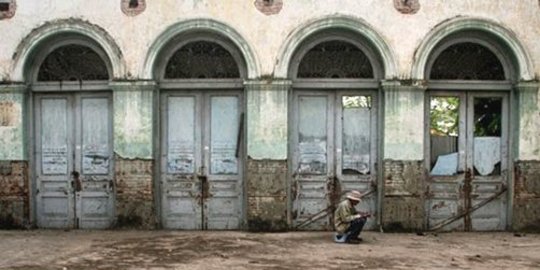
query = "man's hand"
{"x": 362, "y": 215}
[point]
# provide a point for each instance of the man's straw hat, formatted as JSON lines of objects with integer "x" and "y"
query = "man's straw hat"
{"x": 354, "y": 195}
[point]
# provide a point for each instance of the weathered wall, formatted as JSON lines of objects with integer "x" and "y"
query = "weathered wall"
{"x": 11, "y": 123}
{"x": 403, "y": 121}
{"x": 267, "y": 152}
{"x": 133, "y": 116}
{"x": 527, "y": 196}
{"x": 14, "y": 199}
{"x": 403, "y": 200}
{"x": 267, "y": 195}
{"x": 266, "y": 34}
{"x": 267, "y": 119}
{"x": 134, "y": 193}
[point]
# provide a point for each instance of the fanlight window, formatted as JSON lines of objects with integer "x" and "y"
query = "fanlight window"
{"x": 467, "y": 61}
{"x": 73, "y": 63}
{"x": 202, "y": 60}
{"x": 335, "y": 59}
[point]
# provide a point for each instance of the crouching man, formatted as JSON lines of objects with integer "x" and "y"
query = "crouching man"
{"x": 347, "y": 221}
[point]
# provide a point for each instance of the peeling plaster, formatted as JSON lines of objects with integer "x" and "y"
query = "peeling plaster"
{"x": 133, "y": 124}
{"x": 11, "y": 130}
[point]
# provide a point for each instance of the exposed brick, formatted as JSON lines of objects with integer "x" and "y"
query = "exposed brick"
{"x": 526, "y": 210}
{"x": 134, "y": 193}
{"x": 404, "y": 177}
{"x": 403, "y": 213}
{"x": 267, "y": 195}
{"x": 14, "y": 194}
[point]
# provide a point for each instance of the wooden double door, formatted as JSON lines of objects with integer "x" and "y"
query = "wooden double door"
{"x": 333, "y": 143}
{"x": 201, "y": 163}
{"x": 467, "y": 160}
{"x": 73, "y": 160}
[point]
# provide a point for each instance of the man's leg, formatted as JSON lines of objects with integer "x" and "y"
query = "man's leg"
{"x": 355, "y": 228}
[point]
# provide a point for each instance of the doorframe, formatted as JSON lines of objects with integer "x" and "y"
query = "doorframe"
{"x": 335, "y": 86}
{"x": 61, "y": 87}
{"x": 200, "y": 86}
{"x": 466, "y": 87}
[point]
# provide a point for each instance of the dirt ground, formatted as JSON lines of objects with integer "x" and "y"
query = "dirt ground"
{"x": 45, "y": 249}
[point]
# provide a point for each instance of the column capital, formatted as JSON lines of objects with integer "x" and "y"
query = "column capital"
{"x": 404, "y": 85}
{"x": 133, "y": 85}
{"x": 13, "y": 88}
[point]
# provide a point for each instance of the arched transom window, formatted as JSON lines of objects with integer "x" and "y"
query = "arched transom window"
{"x": 335, "y": 60}
{"x": 72, "y": 63}
{"x": 467, "y": 61}
{"x": 202, "y": 60}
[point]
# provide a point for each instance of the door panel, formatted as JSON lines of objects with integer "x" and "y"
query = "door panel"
{"x": 201, "y": 170}
{"x": 222, "y": 188}
{"x": 356, "y": 149}
{"x": 488, "y": 156}
{"x": 93, "y": 152}
{"x": 468, "y": 159}
{"x": 74, "y": 133}
{"x": 181, "y": 189}
{"x": 312, "y": 160}
{"x": 334, "y": 142}
{"x": 55, "y": 204}
{"x": 448, "y": 160}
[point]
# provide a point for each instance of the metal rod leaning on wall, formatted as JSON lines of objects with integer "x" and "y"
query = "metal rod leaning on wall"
{"x": 470, "y": 210}
{"x": 326, "y": 211}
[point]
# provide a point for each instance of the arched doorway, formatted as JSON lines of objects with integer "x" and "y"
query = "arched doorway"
{"x": 72, "y": 133}
{"x": 333, "y": 123}
{"x": 201, "y": 132}
{"x": 468, "y": 136}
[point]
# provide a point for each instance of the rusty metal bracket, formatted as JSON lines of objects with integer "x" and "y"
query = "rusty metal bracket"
{"x": 468, "y": 211}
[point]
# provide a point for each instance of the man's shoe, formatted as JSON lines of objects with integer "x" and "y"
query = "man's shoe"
{"x": 353, "y": 241}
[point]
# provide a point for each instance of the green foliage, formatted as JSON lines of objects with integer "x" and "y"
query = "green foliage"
{"x": 444, "y": 116}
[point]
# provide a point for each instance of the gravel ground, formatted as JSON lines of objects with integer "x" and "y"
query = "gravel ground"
{"x": 78, "y": 249}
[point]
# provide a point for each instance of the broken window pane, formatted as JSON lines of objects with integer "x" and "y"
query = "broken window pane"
{"x": 444, "y": 135}
{"x": 356, "y": 134}
{"x": 95, "y": 132}
{"x": 201, "y": 60}
{"x": 312, "y": 135}
{"x": 181, "y": 135}
{"x": 487, "y": 135}
{"x": 224, "y": 135}
{"x": 335, "y": 59}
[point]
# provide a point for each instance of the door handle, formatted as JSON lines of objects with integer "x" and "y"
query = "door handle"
{"x": 76, "y": 182}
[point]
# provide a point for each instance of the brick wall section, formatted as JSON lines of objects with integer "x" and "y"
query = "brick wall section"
{"x": 134, "y": 193}
{"x": 403, "y": 202}
{"x": 14, "y": 195}
{"x": 267, "y": 195}
{"x": 527, "y": 196}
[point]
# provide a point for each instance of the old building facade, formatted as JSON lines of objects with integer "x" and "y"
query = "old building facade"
{"x": 260, "y": 115}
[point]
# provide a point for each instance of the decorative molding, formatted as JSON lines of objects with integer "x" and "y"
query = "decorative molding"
{"x": 10, "y": 11}
{"x": 269, "y": 7}
{"x": 407, "y": 6}
{"x": 204, "y": 26}
{"x": 133, "y": 7}
{"x": 355, "y": 25}
{"x": 503, "y": 36}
